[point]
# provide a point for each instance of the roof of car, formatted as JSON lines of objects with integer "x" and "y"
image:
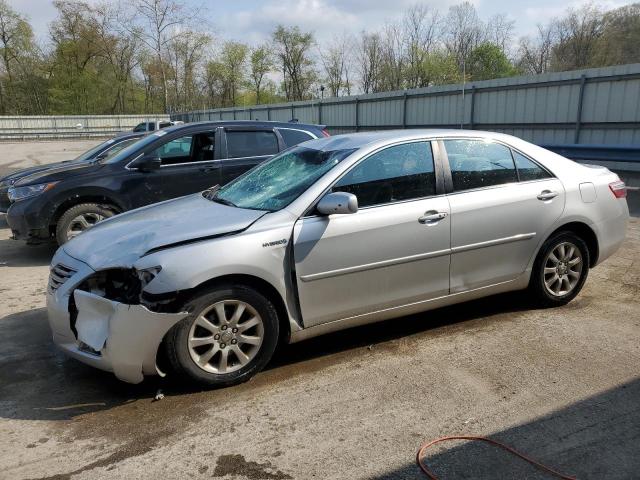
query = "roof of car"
{"x": 361, "y": 139}
{"x": 252, "y": 123}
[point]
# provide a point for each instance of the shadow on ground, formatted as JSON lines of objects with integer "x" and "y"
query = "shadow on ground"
{"x": 16, "y": 253}
{"x": 38, "y": 382}
{"x": 595, "y": 438}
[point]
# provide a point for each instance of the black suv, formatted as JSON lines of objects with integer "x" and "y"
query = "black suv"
{"x": 100, "y": 152}
{"x": 168, "y": 163}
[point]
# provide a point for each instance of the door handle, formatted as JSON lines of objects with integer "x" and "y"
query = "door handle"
{"x": 432, "y": 216}
{"x": 209, "y": 169}
{"x": 547, "y": 195}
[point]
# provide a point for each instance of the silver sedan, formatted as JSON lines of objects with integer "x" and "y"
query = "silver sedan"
{"x": 333, "y": 233}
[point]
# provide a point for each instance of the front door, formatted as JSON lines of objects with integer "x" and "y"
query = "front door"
{"x": 499, "y": 213}
{"x": 394, "y": 251}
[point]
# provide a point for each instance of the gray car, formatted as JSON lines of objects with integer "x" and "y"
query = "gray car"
{"x": 330, "y": 234}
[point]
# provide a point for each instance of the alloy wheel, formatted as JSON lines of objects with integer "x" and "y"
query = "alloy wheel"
{"x": 83, "y": 222}
{"x": 225, "y": 336}
{"x": 562, "y": 269}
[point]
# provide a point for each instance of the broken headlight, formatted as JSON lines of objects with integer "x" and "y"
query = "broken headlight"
{"x": 145, "y": 276}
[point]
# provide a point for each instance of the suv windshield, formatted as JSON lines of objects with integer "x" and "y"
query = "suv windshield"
{"x": 276, "y": 183}
{"x": 92, "y": 152}
{"x": 117, "y": 149}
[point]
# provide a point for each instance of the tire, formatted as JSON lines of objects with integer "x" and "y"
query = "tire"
{"x": 70, "y": 224}
{"x": 557, "y": 283}
{"x": 197, "y": 350}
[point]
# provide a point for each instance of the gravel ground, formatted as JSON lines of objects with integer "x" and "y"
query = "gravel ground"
{"x": 562, "y": 385}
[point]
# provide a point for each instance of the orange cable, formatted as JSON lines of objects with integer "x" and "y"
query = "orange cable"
{"x": 432, "y": 476}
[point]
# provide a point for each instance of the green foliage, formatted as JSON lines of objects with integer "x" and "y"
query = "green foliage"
{"x": 488, "y": 61}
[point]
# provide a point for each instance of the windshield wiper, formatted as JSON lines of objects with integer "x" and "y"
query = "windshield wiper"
{"x": 223, "y": 201}
{"x": 212, "y": 194}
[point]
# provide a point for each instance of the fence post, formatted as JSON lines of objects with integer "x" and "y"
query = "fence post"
{"x": 404, "y": 109}
{"x": 576, "y": 136}
{"x": 473, "y": 106}
{"x": 293, "y": 112}
{"x": 320, "y": 112}
{"x": 268, "y": 114}
{"x": 357, "y": 101}
{"x": 234, "y": 113}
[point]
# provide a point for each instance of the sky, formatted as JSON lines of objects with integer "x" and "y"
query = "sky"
{"x": 252, "y": 21}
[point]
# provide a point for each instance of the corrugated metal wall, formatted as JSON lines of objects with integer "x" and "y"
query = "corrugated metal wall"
{"x": 41, "y": 127}
{"x": 594, "y": 106}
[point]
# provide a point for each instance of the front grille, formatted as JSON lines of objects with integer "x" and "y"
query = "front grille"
{"x": 58, "y": 275}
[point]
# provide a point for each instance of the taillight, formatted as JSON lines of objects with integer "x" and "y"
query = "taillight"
{"x": 619, "y": 189}
{"x": 326, "y": 133}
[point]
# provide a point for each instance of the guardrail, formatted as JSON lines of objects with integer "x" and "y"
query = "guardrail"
{"x": 603, "y": 153}
{"x": 44, "y": 127}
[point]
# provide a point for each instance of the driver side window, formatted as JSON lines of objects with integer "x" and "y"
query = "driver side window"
{"x": 401, "y": 172}
{"x": 190, "y": 148}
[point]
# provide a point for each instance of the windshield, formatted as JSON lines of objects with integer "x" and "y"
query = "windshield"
{"x": 89, "y": 154}
{"x": 275, "y": 184}
{"x": 117, "y": 149}
{"x": 134, "y": 147}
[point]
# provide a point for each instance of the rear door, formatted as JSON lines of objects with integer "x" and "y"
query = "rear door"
{"x": 245, "y": 147}
{"x": 190, "y": 163}
{"x": 499, "y": 213}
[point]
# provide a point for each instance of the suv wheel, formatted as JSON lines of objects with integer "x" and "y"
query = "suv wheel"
{"x": 78, "y": 219}
{"x": 560, "y": 269}
{"x": 230, "y": 335}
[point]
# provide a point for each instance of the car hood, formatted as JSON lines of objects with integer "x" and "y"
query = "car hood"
{"x": 18, "y": 174}
{"x": 59, "y": 171}
{"x": 121, "y": 240}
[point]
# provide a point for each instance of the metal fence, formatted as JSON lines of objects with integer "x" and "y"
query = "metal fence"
{"x": 80, "y": 126}
{"x": 594, "y": 106}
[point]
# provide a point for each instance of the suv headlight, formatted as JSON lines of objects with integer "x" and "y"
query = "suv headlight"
{"x": 20, "y": 193}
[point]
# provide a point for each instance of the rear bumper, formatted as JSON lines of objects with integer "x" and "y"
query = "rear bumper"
{"x": 123, "y": 339}
{"x": 611, "y": 232}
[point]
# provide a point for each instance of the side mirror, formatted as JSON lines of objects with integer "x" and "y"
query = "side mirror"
{"x": 148, "y": 164}
{"x": 338, "y": 202}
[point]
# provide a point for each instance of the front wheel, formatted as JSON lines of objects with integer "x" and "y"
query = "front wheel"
{"x": 560, "y": 269}
{"x": 78, "y": 219}
{"x": 229, "y": 335}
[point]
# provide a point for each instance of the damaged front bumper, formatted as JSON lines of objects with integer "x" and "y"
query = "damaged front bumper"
{"x": 109, "y": 335}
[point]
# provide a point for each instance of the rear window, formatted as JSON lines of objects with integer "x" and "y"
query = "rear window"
{"x": 251, "y": 143}
{"x": 294, "y": 137}
{"x": 479, "y": 164}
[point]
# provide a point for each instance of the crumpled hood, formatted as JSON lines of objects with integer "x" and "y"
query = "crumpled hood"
{"x": 123, "y": 239}
{"x": 57, "y": 172}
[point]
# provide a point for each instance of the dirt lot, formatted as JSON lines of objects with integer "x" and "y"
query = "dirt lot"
{"x": 562, "y": 385}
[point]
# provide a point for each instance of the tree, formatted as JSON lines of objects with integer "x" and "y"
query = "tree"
{"x": 160, "y": 19}
{"x": 488, "y": 61}
{"x": 369, "y": 55}
{"x": 19, "y": 89}
{"x": 440, "y": 68}
{"x": 261, "y": 65}
{"x": 500, "y": 31}
{"x": 464, "y": 31}
{"x": 335, "y": 60}
{"x": 578, "y": 36}
{"x": 421, "y": 30}
{"x": 534, "y": 56}
{"x": 293, "y": 47}
{"x": 621, "y": 36}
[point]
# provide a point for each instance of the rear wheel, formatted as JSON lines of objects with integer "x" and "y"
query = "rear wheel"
{"x": 78, "y": 219}
{"x": 229, "y": 335}
{"x": 560, "y": 269}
